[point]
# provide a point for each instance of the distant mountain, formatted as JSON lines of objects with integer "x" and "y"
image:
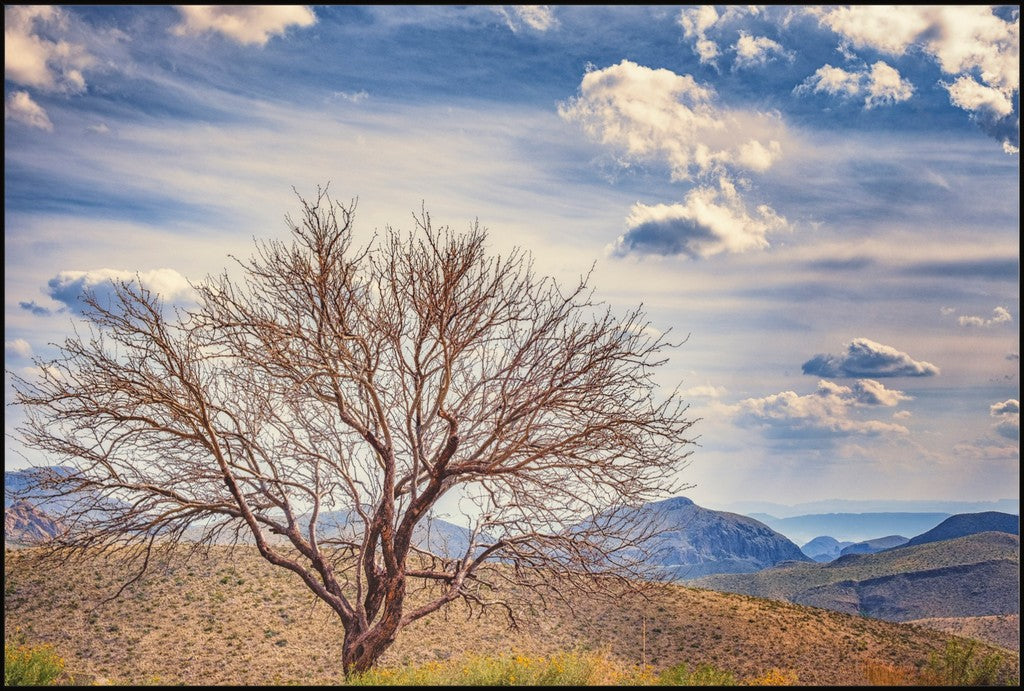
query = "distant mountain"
{"x": 976, "y": 575}
{"x": 775, "y": 510}
{"x": 875, "y": 545}
{"x": 26, "y": 525}
{"x": 695, "y": 541}
{"x": 853, "y": 527}
{"x": 969, "y": 524}
{"x": 29, "y": 517}
{"x": 824, "y": 548}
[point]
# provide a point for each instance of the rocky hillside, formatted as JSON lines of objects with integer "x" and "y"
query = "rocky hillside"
{"x": 695, "y": 541}
{"x": 26, "y": 525}
{"x": 875, "y": 545}
{"x": 976, "y": 575}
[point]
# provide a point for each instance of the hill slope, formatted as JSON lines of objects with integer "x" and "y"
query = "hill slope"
{"x": 232, "y": 618}
{"x": 976, "y": 575}
{"x": 969, "y": 524}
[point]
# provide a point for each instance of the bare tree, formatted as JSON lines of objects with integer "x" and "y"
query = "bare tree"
{"x": 365, "y": 383}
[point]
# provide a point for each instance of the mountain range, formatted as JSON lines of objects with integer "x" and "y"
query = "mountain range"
{"x": 965, "y": 568}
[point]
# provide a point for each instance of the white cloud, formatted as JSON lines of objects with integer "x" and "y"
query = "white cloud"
{"x": 886, "y": 86}
{"x": 968, "y": 94}
{"x": 657, "y": 115}
{"x": 19, "y": 347}
{"x": 865, "y": 358}
{"x": 537, "y": 17}
{"x": 754, "y": 51}
{"x": 829, "y": 411}
{"x": 50, "y": 62}
{"x": 67, "y": 286}
{"x": 247, "y": 24}
{"x": 965, "y": 40}
{"x": 705, "y": 391}
{"x": 1008, "y": 415}
{"x": 710, "y": 221}
{"x": 696, "y": 22}
{"x": 882, "y": 84}
{"x": 352, "y": 96}
{"x": 20, "y": 107}
{"x": 832, "y": 80}
{"x": 1000, "y": 315}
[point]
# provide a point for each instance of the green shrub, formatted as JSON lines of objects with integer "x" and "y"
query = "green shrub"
{"x": 961, "y": 664}
{"x": 27, "y": 665}
{"x": 702, "y": 675}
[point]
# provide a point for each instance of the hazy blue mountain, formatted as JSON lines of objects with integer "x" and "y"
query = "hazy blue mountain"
{"x": 969, "y": 524}
{"x": 852, "y": 527}
{"x": 27, "y": 514}
{"x": 776, "y": 510}
{"x": 824, "y": 548}
{"x": 874, "y": 545}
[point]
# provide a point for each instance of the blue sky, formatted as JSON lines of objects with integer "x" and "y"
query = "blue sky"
{"x": 824, "y": 199}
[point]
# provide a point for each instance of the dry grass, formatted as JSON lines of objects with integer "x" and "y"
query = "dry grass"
{"x": 1002, "y": 630}
{"x": 234, "y": 619}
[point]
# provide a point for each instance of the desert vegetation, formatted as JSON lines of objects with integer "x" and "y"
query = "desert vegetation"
{"x": 232, "y": 618}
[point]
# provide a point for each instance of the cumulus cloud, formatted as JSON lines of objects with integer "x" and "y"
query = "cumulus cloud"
{"x": 67, "y": 286}
{"x": 829, "y": 411}
{"x": 710, "y": 221}
{"x": 19, "y": 347}
{"x": 966, "y": 41}
{"x": 1008, "y": 415}
{"x": 536, "y": 17}
{"x": 1000, "y": 315}
{"x": 656, "y": 116}
{"x": 756, "y": 51}
{"x": 246, "y": 24}
{"x": 880, "y": 85}
{"x": 38, "y": 53}
{"x": 20, "y": 107}
{"x": 865, "y": 358}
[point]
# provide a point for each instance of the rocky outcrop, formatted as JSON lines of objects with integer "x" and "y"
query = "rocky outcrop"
{"x": 26, "y": 525}
{"x": 696, "y": 542}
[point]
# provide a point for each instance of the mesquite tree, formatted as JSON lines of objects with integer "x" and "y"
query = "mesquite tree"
{"x": 327, "y": 380}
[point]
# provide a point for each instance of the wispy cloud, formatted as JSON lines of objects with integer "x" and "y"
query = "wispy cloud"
{"x": 246, "y": 24}
{"x": 865, "y": 358}
{"x": 39, "y": 54}
{"x": 536, "y": 17}
{"x": 18, "y": 347}
{"x": 20, "y": 107}
{"x": 1000, "y": 315}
